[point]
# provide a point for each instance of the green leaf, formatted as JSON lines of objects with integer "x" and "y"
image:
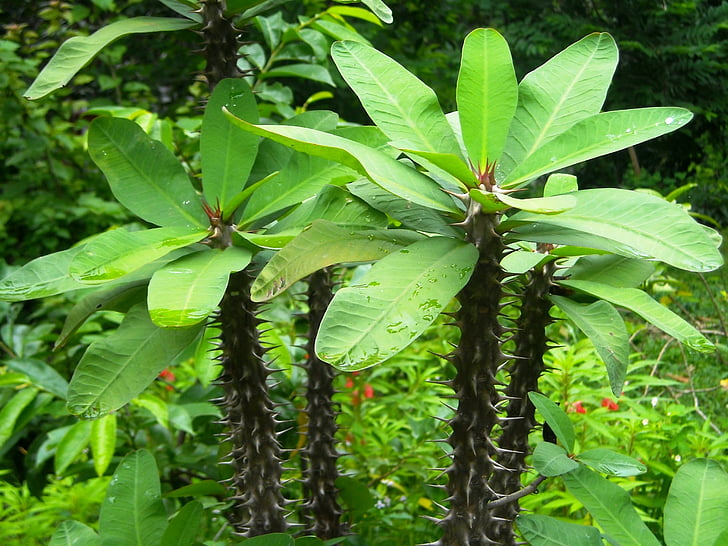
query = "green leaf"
{"x": 186, "y": 8}
{"x": 119, "y": 367}
{"x": 521, "y": 261}
{"x": 538, "y": 205}
{"x": 625, "y": 222}
{"x": 103, "y": 442}
{"x": 185, "y": 291}
{"x": 487, "y": 94}
{"x": 322, "y": 245}
{"x": 547, "y": 531}
{"x": 227, "y": 153}
{"x": 11, "y": 411}
{"x": 41, "y": 374}
{"x": 403, "y": 107}
{"x": 42, "y": 277}
{"x": 338, "y": 31}
{"x": 616, "y": 271}
{"x": 595, "y": 136}
{"x": 568, "y": 88}
{"x": 609, "y": 462}
{"x": 393, "y": 303}
{"x": 313, "y": 72}
{"x": 357, "y": 13}
{"x": 610, "y": 506}
{"x": 559, "y": 184}
{"x": 556, "y": 418}
{"x": 380, "y": 9}
{"x": 184, "y": 526}
{"x": 71, "y": 445}
{"x": 640, "y": 303}
{"x": 271, "y": 539}
{"x": 356, "y": 495}
{"x": 604, "y": 326}
{"x": 552, "y": 460}
{"x": 77, "y": 52}
{"x": 119, "y": 252}
{"x": 132, "y": 512}
{"x": 203, "y": 488}
{"x": 696, "y": 507}
{"x": 143, "y": 175}
{"x": 450, "y": 163}
{"x": 74, "y": 533}
{"x": 389, "y": 173}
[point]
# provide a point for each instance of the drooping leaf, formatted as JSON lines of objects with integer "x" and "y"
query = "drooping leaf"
{"x": 185, "y": 8}
{"x": 610, "y": 462}
{"x": 450, "y": 163}
{"x": 185, "y": 291}
{"x": 604, "y": 326}
{"x": 487, "y": 94}
{"x": 12, "y": 409}
{"x": 613, "y": 270}
{"x": 393, "y": 303}
{"x": 119, "y": 252}
{"x": 389, "y": 173}
{"x": 547, "y": 531}
{"x": 322, "y": 245}
{"x": 642, "y": 304}
{"x": 184, "y": 526}
{"x": 41, "y": 374}
{"x": 77, "y": 52}
{"x": 566, "y": 89}
{"x": 119, "y": 367}
{"x": 71, "y": 445}
{"x": 595, "y": 136}
{"x": 132, "y": 512}
{"x": 227, "y": 153}
{"x": 559, "y": 184}
{"x": 355, "y": 495}
{"x": 403, "y": 107}
{"x": 696, "y": 507}
{"x": 556, "y": 418}
{"x": 521, "y": 261}
{"x": 103, "y": 442}
{"x": 74, "y": 533}
{"x": 380, "y": 9}
{"x": 313, "y": 72}
{"x": 338, "y": 31}
{"x": 538, "y": 205}
{"x": 144, "y": 176}
{"x": 610, "y": 506}
{"x": 44, "y": 276}
{"x": 628, "y": 223}
{"x": 552, "y": 460}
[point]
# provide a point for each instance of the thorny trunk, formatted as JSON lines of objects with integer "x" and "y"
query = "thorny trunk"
{"x": 221, "y": 43}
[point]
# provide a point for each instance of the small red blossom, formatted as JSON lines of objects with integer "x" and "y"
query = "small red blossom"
{"x": 368, "y": 391}
{"x": 578, "y": 407}
{"x": 167, "y": 375}
{"x": 349, "y": 383}
{"x": 610, "y": 404}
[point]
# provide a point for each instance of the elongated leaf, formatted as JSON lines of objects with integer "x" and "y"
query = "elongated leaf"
{"x": 552, "y": 460}
{"x": 520, "y": 261}
{"x": 487, "y": 94}
{"x": 560, "y": 183}
{"x": 629, "y": 223}
{"x": 547, "y": 531}
{"x": 595, "y": 136}
{"x": 184, "y": 526}
{"x": 696, "y": 507}
{"x": 132, "y": 512}
{"x": 313, "y": 72}
{"x": 610, "y": 462}
{"x": 322, "y": 245}
{"x": 389, "y": 173}
{"x": 396, "y": 300}
{"x": 227, "y": 154}
{"x": 144, "y": 176}
{"x": 11, "y": 411}
{"x": 612, "y": 270}
{"x": 103, "y": 442}
{"x": 272, "y": 539}
{"x": 119, "y": 367}
{"x": 450, "y": 163}
{"x": 556, "y": 418}
{"x": 74, "y": 533}
{"x": 539, "y": 205}
{"x": 640, "y": 303}
{"x": 44, "y": 276}
{"x": 380, "y": 9}
{"x": 77, "y": 52}
{"x": 610, "y": 506}
{"x": 41, "y": 374}
{"x": 71, "y": 445}
{"x": 604, "y": 326}
{"x": 186, "y": 291}
{"x": 569, "y": 87}
{"x": 403, "y": 107}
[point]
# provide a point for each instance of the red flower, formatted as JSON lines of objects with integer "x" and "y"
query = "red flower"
{"x": 578, "y": 407}
{"x": 167, "y": 375}
{"x": 609, "y": 404}
{"x": 368, "y": 391}
{"x": 349, "y": 383}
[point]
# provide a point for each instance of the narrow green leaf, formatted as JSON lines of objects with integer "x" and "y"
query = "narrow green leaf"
{"x": 487, "y": 94}
{"x": 552, "y": 460}
{"x": 556, "y": 418}
{"x": 609, "y": 462}
{"x": 613, "y": 270}
{"x": 610, "y": 506}
{"x": 132, "y": 512}
{"x": 74, "y": 533}
{"x": 143, "y": 175}
{"x": 11, "y": 411}
{"x": 71, "y": 445}
{"x": 77, "y": 52}
{"x": 538, "y": 205}
{"x": 227, "y": 154}
{"x": 393, "y": 303}
{"x": 547, "y": 531}
{"x": 41, "y": 374}
{"x": 559, "y": 184}
{"x": 186, "y": 8}
{"x": 595, "y": 136}
{"x": 566, "y": 89}
{"x": 642, "y": 304}
{"x": 696, "y": 507}
{"x": 313, "y": 72}
{"x": 184, "y": 526}
{"x": 322, "y": 245}
{"x": 403, "y": 107}
{"x": 103, "y": 442}
{"x": 185, "y": 291}
{"x": 203, "y": 488}
{"x": 625, "y": 222}
{"x": 119, "y": 252}
{"x": 450, "y": 163}
{"x": 44, "y": 276}
{"x": 380, "y": 9}
{"x": 604, "y": 326}
{"x": 389, "y": 173}
{"x": 521, "y": 261}
{"x": 339, "y": 32}
{"x": 120, "y": 366}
